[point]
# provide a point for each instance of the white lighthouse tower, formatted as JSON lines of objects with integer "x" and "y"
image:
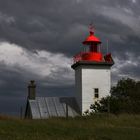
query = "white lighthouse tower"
{"x": 92, "y": 73}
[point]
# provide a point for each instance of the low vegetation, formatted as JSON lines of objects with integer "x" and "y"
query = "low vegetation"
{"x": 96, "y": 127}
{"x": 125, "y": 98}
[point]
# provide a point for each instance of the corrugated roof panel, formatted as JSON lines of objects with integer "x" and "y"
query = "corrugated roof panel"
{"x": 43, "y": 107}
{"x": 72, "y": 105}
{"x": 51, "y": 106}
{"x": 34, "y": 109}
{"x": 59, "y": 107}
{"x": 70, "y": 112}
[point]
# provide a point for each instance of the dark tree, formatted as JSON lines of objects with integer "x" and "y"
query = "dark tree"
{"x": 125, "y": 98}
{"x": 124, "y": 88}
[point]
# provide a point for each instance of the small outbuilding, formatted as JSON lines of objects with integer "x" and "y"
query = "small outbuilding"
{"x": 46, "y": 107}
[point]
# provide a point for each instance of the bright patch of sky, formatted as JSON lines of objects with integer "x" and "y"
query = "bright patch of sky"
{"x": 134, "y": 1}
{"x": 42, "y": 64}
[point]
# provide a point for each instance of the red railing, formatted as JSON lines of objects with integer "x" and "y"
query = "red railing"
{"x": 88, "y": 56}
{"x": 92, "y": 56}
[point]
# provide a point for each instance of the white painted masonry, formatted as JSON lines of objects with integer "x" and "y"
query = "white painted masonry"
{"x": 89, "y": 77}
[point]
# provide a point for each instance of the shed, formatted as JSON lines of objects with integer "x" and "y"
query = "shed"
{"x": 46, "y": 107}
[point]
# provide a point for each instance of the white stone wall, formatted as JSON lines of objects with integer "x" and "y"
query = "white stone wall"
{"x": 88, "y": 78}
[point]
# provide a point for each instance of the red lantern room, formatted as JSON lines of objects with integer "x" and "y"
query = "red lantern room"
{"x": 92, "y": 52}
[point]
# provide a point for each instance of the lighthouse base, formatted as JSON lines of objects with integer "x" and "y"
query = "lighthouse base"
{"x": 92, "y": 82}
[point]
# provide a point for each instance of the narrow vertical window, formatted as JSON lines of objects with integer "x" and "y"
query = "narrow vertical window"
{"x": 96, "y": 93}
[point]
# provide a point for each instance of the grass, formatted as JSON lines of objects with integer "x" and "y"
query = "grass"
{"x": 97, "y": 127}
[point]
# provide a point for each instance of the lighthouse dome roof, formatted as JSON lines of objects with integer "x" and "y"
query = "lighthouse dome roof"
{"x": 91, "y": 39}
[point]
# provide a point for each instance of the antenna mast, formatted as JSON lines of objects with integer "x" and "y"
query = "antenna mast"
{"x": 107, "y": 45}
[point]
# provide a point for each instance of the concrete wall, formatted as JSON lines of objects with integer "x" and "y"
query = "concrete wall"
{"x": 88, "y": 78}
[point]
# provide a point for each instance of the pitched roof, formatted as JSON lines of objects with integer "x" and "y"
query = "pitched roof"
{"x": 45, "y": 107}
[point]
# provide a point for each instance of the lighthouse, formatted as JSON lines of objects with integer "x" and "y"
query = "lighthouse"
{"x": 92, "y": 73}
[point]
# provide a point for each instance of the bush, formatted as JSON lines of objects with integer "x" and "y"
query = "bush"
{"x": 125, "y": 98}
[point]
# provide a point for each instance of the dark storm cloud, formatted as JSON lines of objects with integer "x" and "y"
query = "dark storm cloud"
{"x": 59, "y": 26}
{"x": 48, "y": 24}
{"x": 14, "y": 84}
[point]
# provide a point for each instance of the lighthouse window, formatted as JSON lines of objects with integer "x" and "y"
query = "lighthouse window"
{"x": 96, "y": 93}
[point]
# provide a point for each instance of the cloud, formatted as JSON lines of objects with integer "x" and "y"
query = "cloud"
{"x": 6, "y": 19}
{"x": 124, "y": 16}
{"x": 60, "y": 26}
{"x": 134, "y": 1}
{"x": 41, "y": 65}
{"x": 126, "y": 68}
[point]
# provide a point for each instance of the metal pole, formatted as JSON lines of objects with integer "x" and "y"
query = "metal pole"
{"x": 66, "y": 111}
{"x": 107, "y": 45}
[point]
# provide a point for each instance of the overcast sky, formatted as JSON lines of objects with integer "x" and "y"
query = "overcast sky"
{"x": 38, "y": 39}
